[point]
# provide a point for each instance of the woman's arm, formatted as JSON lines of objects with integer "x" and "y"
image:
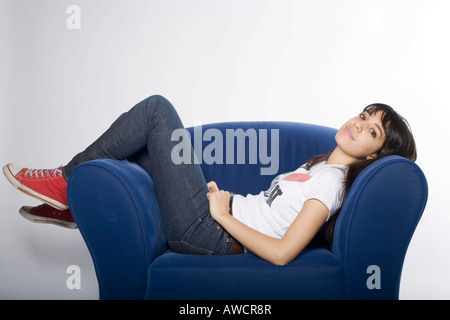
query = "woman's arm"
{"x": 278, "y": 251}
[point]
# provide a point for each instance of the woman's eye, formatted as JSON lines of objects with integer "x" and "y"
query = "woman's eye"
{"x": 374, "y": 134}
{"x": 362, "y": 116}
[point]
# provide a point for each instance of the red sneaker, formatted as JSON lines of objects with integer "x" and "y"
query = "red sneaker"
{"x": 46, "y": 214}
{"x": 47, "y": 185}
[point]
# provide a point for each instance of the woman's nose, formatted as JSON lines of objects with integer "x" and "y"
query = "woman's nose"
{"x": 358, "y": 125}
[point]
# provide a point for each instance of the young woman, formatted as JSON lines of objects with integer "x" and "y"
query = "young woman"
{"x": 198, "y": 217}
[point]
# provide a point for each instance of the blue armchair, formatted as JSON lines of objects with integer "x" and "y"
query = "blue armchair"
{"x": 114, "y": 205}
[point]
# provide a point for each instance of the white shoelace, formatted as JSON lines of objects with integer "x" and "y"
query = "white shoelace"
{"x": 34, "y": 173}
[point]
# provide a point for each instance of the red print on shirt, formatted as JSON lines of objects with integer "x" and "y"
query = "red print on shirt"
{"x": 299, "y": 177}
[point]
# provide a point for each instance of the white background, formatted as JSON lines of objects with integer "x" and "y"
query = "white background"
{"x": 307, "y": 61}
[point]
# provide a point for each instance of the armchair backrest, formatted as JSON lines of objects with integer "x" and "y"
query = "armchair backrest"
{"x": 276, "y": 147}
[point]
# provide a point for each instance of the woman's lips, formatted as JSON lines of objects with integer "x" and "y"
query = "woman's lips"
{"x": 349, "y": 133}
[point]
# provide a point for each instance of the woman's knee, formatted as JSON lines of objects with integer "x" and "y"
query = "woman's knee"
{"x": 157, "y": 101}
{"x": 163, "y": 108}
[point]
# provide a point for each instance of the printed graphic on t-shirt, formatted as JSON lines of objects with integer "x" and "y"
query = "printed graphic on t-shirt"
{"x": 275, "y": 189}
{"x": 273, "y": 192}
{"x": 299, "y": 177}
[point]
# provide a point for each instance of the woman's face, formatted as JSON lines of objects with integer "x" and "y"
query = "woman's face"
{"x": 362, "y": 136}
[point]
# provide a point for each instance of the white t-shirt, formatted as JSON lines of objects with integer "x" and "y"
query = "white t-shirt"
{"x": 271, "y": 212}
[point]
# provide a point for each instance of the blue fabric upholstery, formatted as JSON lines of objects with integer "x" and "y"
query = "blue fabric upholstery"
{"x": 114, "y": 205}
{"x": 317, "y": 274}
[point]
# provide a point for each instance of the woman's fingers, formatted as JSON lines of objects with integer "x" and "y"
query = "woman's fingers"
{"x": 218, "y": 203}
{"x": 212, "y": 186}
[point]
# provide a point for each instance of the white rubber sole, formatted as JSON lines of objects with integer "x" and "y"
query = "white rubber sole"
{"x": 51, "y": 202}
{"x": 24, "y": 213}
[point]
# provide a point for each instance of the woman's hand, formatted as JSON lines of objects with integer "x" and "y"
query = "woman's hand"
{"x": 219, "y": 201}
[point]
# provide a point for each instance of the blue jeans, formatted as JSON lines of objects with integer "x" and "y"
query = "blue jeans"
{"x": 143, "y": 135}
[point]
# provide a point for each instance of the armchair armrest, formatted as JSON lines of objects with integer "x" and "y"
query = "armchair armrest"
{"x": 114, "y": 205}
{"x": 375, "y": 226}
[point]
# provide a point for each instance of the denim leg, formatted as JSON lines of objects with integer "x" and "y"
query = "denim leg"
{"x": 143, "y": 135}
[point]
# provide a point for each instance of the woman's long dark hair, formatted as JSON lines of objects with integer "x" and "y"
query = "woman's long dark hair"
{"x": 399, "y": 141}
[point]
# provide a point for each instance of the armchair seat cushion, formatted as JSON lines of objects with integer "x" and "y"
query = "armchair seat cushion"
{"x": 315, "y": 274}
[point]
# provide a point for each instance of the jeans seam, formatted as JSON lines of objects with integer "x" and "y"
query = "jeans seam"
{"x": 187, "y": 244}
